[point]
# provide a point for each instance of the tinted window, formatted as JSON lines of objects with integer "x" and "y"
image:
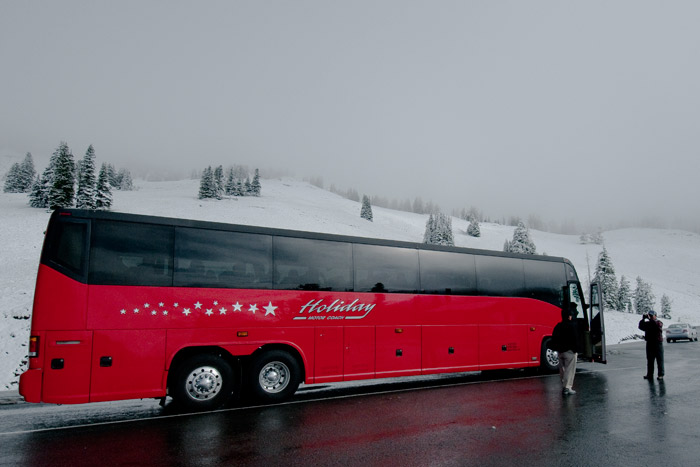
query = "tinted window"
{"x": 125, "y": 253}
{"x": 215, "y": 258}
{"x": 385, "y": 269}
{"x": 447, "y": 273}
{"x": 304, "y": 264}
{"x": 545, "y": 281}
{"x": 66, "y": 246}
{"x": 499, "y": 276}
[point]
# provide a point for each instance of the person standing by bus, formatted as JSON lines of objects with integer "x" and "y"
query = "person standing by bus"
{"x": 565, "y": 339}
{"x": 652, "y": 328}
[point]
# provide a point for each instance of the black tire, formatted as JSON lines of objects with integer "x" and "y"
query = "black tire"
{"x": 274, "y": 376}
{"x": 549, "y": 361}
{"x": 202, "y": 382}
{"x": 668, "y": 341}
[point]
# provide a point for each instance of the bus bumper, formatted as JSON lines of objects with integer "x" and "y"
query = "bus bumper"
{"x": 30, "y": 385}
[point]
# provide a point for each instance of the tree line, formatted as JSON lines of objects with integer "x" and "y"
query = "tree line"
{"x": 237, "y": 182}
{"x": 65, "y": 183}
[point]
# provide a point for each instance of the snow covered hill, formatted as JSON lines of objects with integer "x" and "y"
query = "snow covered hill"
{"x": 668, "y": 259}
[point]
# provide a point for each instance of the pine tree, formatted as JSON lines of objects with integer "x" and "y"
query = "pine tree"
{"x": 62, "y": 189}
{"x": 13, "y": 182}
{"x": 644, "y": 299}
{"x": 247, "y": 190}
{"x": 207, "y": 186}
{"x": 624, "y": 295}
{"x": 85, "y": 197}
{"x": 366, "y": 211}
{"x": 28, "y": 173}
{"x": 506, "y": 246}
{"x": 38, "y": 196}
{"x": 126, "y": 183}
{"x": 218, "y": 182}
{"x": 473, "y": 230}
{"x": 103, "y": 190}
{"x": 521, "y": 242}
{"x": 605, "y": 276}
{"x": 665, "y": 307}
{"x": 113, "y": 176}
{"x": 255, "y": 184}
{"x": 438, "y": 230}
{"x": 230, "y": 187}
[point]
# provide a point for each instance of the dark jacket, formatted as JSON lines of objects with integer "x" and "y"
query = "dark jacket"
{"x": 565, "y": 337}
{"x": 652, "y": 330}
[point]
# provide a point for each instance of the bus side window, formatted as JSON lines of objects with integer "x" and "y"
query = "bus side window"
{"x": 125, "y": 253}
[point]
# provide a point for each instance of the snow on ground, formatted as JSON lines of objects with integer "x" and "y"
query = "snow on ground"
{"x": 667, "y": 259}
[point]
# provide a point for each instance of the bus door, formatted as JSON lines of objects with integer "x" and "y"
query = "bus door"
{"x": 597, "y": 326}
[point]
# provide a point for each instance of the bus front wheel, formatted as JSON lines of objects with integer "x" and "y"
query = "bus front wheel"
{"x": 550, "y": 357}
{"x": 274, "y": 375}
{"x": 203, "y": 382}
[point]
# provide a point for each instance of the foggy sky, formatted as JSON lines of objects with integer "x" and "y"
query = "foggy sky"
{"x": 518, "y": 108}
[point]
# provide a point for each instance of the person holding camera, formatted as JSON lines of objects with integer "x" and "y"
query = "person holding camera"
{"x": 652, "y": 328}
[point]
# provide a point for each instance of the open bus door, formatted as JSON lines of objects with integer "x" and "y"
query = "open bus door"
{"x": 597, "y": 325}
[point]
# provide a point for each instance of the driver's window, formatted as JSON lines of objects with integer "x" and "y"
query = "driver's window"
{"x": 575, "y": 297}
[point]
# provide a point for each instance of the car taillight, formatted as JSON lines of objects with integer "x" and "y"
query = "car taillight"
{"x": 34, "y": 346}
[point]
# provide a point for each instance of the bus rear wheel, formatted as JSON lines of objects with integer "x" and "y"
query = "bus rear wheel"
{"x": 550, "y": 357}
{"x": 203, "y": 382}
{"x": 274, "y": 376}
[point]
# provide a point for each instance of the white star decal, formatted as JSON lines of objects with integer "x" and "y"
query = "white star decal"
{"x": 198, "y": 305}
{"x": 176, "y": 304}
{"x": 154, "y": 312}
{"x": 161, "y": 304}
{"x": 209, "y": 312}
{"x": 123, "y": 311}
{"x": 236, "y": 306}
{"x": 165, "y": 312}
{"x": 186, "y": 312}
{"x": 270, "y": 310}
{"x": 216, "y": 302}
{"x": 222, "y": 311}
{"x": 136, "y": 311}
{"x": 253, "y": 308}
{"x": 146, "y": 305}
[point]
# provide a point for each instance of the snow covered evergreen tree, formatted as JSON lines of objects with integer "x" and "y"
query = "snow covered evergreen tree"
{"x": 13, "y": 182}
{"x": 230, "y": 188}
{"x": 473, "y": 230}
{"x": 521, "y": 242}
{"x": 39, "y": 195}
{"x": 438, "y": 230}
{"x": 506, "y": 246}
{"x": 665, "y": 307}
{"x": 103, "y": 189}
{"x": 644, "y": 299}
{"x": 62, "y": 189}
{"x": 255, "y": 184}
{"x": 207, "y": 185}
{"x": 85, "y": 197}
{"x": 605, "y": 276}
{"x": 219, "y": 182}
{"x": 624, "y": 295}
{"x": 126, "y": 183}
{"x": 247, "y": 189}
{"x": 366, "y": 211}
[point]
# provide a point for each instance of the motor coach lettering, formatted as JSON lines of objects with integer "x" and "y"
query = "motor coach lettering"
{"x": 338, "y": 306}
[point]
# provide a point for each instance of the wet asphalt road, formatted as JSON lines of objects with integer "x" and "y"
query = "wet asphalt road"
{"x": 500, "y": 418}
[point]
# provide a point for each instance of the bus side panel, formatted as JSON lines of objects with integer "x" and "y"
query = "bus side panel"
{"x": 450, "y": 348}
{"x": 359, "y": 352}
{"x": 503, "y": 346}
{"x": 127, "y": 364}
{"x": 329, "y": 354}
{"x": 398, "y": 350}
{"x": 59, "y": 302}
{"x": 67, "y": 367}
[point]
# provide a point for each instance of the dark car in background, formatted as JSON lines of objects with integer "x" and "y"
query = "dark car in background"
{"x": 678, "y": 331}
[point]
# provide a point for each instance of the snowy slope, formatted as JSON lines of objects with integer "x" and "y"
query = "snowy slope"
{"x": 667, "y": 259}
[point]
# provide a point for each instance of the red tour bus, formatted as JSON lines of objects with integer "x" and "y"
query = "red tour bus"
{"x": 129, "y": 306}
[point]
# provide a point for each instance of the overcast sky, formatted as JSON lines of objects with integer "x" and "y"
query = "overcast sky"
{"x": 523, "y": 107}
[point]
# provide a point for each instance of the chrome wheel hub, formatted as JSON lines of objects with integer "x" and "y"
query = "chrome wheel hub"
{"x": 203, "y": 383}
{"x": 274, "y": 377}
